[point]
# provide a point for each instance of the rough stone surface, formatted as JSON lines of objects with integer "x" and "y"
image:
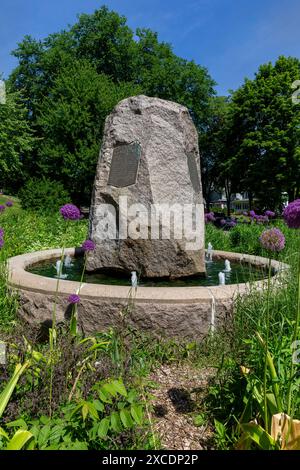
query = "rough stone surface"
{"x": 185, "y": 321}
{"x": 162, "y": 137}
{"x": 184, "y": 312}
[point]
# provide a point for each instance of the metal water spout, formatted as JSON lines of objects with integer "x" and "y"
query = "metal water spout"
{"x": 209, "y": 252}
{"x": 221, "y": 279}
{"x": 227, "y": 266}
{"x": 68, "y": 261}
{"x": 134, "y": 280}
{"x": 59, "y": 267}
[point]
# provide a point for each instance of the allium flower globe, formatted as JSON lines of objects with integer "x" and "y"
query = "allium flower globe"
{"x": 232, "y": 223}
{"x": 74, "y": 299}
{"x": 270, "y": 214}
{"x": 2, "y": 208}
{"x": 9, "y": 203}
{"x": 272, "y": 240}
{"x": 70, "y": 212}
{"x": 88, "y": 245}
{"x": 291, "y": 214}
{"x": 209, "y": 217}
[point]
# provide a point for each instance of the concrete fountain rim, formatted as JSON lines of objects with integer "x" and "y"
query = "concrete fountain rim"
{"x": 21, "y": 279}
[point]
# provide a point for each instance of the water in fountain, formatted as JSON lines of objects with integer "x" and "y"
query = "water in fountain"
{"x": 68, "y": 261}
{"x": 59, "y": 273}
{"x": 240, "y": 273}
{"x": 221, "y": 278}
{"x": 134, "y": 281}
{"x": 209, "y": 252}
{"x": 227, "y": 266}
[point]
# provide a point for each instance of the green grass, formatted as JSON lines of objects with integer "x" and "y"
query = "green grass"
{"x": 273, "y": 318}
{"x": 30, "y": 231}
{"x": 4, "y": 198}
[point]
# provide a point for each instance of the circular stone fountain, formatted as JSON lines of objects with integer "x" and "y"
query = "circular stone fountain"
{"x": 146, "y": 216}
{"x": 185, "y": 312}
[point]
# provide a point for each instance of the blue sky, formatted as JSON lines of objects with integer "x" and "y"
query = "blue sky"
{"x": 230, "y": 37}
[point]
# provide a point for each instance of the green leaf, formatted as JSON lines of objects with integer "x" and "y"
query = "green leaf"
{"x": 43, "y": 435}
{"x": 126, "y": 418}
{"x": 19, "y": 439}
{"x": 104, "y": 396}
{"x": 109, "y": 388}
{"x": 84, "y": 411}
{"x": 132, "y": 396}
{"x": 44, "y": 419}
{"x": 119, "y": 387}
{"x": 57, "y": 433}
{"x": 8, "y": 390}
{"x": 116, "y": 421}
{"x": 92, "y": 410}
{"x": 258, "y": 435}
{"x": 98, "y": 405}
{"x": 18, "y": 423}
{"x": 137, "y": 413}
{"x": 4, "y": 434}
{"x": 199, "y": 420}
{"x": 103, "y": 428}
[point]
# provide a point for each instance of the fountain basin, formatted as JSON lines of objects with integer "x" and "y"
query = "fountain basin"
{"x": 184, "y": 312}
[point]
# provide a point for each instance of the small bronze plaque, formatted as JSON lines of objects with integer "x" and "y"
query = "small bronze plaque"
{"x": 193, "y": 170}
{"x": 124, "y": 165}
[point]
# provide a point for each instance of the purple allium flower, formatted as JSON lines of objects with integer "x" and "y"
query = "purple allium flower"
{"x": 74, "y": 299}
{"x": 232, "y": 223}
{"x": 291, "y": 214}
{"x": 2, "y": 208}
{"x": 245, "y": 214}
{"x": 1, "y": 232}
{"x": 210, "y": 217}
{"x": 222, "y": 222}
{"x": 272, "y": 239}
{"x": 261, "y": 219}
{"x": 88, "y": 245}
{"x": 9, "y": 203}
{"x": 270, "y": 214}
{"x": 70, "y": 212}
{"x": 252, "y": 214}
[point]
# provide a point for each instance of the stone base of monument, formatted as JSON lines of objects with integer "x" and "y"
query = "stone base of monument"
{"x": 182, "y": 312}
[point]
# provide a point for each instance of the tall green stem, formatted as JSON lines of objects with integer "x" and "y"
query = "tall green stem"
{"x": 52, "y": 335}
{"x": 266, "y": 349}
{"x": 295, "y": 336}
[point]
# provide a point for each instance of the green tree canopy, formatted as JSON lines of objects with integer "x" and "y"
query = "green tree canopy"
{"x": 72, "y": 117}
{"x": 16, "y": 138}
{"x": 265, "y": 127}
{"x": 71, "y": 80}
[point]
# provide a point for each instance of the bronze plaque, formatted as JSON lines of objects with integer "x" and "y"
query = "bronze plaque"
{"x": 124, "y": 165}
{"x": 193, "y": 170}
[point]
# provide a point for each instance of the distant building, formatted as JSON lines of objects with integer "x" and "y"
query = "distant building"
{"x": 239, "y": 201}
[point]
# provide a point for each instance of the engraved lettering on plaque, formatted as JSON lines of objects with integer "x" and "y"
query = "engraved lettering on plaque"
{"x": 193, "y": 170}
{"x": 124, "y": 165}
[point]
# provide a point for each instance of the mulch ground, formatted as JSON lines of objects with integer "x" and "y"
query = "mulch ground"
{"x": 177, "y": 399}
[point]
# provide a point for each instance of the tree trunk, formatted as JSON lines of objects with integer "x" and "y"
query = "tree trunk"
{"x": 291, "y": 195}
{"x": 250, "y": 197}
{"x": 228, "y": 204}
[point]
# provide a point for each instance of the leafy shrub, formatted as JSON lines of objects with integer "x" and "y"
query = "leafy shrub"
{"x": 43, "y": 194}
